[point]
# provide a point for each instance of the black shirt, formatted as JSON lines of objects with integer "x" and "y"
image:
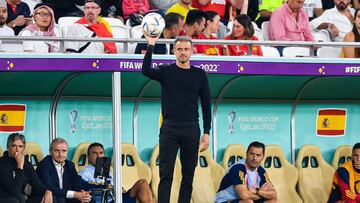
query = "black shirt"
{"x": 180, "y": 90}
{"x": 21, "y": 9}
{"x": 13, "y": 179}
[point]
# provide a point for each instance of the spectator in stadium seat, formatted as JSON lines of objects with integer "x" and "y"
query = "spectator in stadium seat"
{"x": 337, "y": 21}
{"x": 266, "y": 8}
{"x": 290, "y": 23}
{"x": 44, "y": 25}
{"x": 212, "y": 25}
{"x": 91, "y": 25}
{"x": 346, "y": 179}
{"x": 162, "y": 5}
{"x": 182, "y": 7}
{"x": 353, "y": 36}
{"x": 134, "y": 6}
{"x": 194, "y": 27}
{"x": 18, "y": 175}
{"x": 60, "y": 176}
{"x": 65, "y": 7}
{"x": 247, "y": 180}
{"x": 242, "y": 30}
{"x": 4, "y": 29}
{"x": 173, "y": 24}
{"x": 313, "y": 8}
{"x": 18, "y": 15}
{"x": 140, "y": 191}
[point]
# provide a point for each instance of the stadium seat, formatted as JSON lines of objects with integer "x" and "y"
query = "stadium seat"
{"x": 154, "y": 166}
{"x": 12, "y": 46}
{"x": 342, "y": 154}
{"x": 33, "y": 150}
{"x": 135, "y": 33}
{"x": 270, "y": 51}
{"x": 31, "y": 4}
{"x": 80, "y": 156}
{"x": 291, "y": 52}
{"x": 265, "y": 28}
{"x": 133, "y": 168}
{"x": 255, "y": 25}
{"x": 114, "y": 21}
{"x": 258, "y": 33}
{"x": 127, "y": 23}
{"x": 207, "y": 178}
{"x": 66, "y": 21}
{"x": 230, "y": 26}
{"x": 329, "y": 52}
{"x": 120, "y": 32}
{"x": 321, "y": 36}
{"x": 232, "y": 154}
{"x": 282, "y": 174}
{"x": 315, "y": 175}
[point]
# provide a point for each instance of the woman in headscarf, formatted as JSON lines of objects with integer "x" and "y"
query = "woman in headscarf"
{"x": 43, "y": 25}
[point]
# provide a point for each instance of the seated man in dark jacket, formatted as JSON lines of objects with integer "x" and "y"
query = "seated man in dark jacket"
{"x": 18, "y": 175}
{"x": 60, "y": 175}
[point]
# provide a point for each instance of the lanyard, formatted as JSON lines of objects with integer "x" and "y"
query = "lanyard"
{"x": 247, "y": 178}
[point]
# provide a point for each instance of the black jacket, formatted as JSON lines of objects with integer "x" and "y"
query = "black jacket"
{"x": 13, "y": 179}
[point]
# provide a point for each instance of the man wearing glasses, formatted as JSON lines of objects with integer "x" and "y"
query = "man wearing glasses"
{"x": 90, "y": 25}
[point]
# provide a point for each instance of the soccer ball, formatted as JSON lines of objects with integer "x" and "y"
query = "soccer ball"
{"x": 153, "y": 24}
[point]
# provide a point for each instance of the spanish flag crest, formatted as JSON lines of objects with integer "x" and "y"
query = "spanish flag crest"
{"x": 12, "y": 117}
{"x": 331, "y": 122}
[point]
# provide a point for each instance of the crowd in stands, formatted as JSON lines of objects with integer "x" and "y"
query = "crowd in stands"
{"x": 276, "y": 20}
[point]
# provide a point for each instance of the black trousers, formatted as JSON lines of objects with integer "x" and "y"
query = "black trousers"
{"x": 173, "y": 138}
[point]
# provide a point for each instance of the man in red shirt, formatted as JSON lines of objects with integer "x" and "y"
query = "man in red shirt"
{"x": 194, "y": 27}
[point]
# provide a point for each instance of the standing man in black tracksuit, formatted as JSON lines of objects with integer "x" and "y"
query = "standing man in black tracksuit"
{"x": 181, "y": 87}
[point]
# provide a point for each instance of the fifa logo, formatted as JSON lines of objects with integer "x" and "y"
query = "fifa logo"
{"x": 4, "y": 118}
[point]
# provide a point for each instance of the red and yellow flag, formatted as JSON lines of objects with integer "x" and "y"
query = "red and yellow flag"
{"x": 12, "y": 117}
{"x": 331, "y": 122}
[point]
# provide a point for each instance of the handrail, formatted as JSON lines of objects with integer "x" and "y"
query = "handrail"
{"x": 195, "y": 41}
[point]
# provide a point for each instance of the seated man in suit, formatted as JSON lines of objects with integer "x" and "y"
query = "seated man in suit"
{"x": 60, "y": 175}
{"x": 140, "y": 191}
{"x": 17, "y": 175}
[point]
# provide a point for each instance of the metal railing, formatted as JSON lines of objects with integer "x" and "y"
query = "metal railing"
{"x": 127, "y": 41}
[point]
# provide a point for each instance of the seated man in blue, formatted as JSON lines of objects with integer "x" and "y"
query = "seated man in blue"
{"x": 60, "y": 176}
{"x": 247, "y": 181}
{"x": 140, "y": 191}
